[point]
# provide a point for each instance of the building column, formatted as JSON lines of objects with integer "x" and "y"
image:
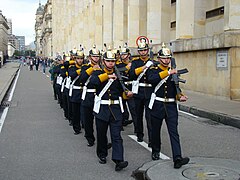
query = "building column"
{"x": 231, "y": 15}
{"x": 184, "y": 19}
{"x": 158, "y": 21}
{"x": 118, "y": 21}
{"x": 108, "y": 22}
{"x": 98, "y": 24}
{"x": 133, "y": 21}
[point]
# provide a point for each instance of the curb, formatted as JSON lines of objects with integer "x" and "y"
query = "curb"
{"x": 215, "y": 116}
{"x": 8, "y": 85}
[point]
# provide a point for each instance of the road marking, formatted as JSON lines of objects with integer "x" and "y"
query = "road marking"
{"x": 145, "y": 145}
{"x": 188, "y": 114}
{"x": 5, "y": 111}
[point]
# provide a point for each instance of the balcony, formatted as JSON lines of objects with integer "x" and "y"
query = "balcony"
{"x": 48, "y": 30}
{"x": 48, "y": 17}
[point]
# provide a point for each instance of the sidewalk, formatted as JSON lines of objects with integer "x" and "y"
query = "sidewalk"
{"x": 212, "y": 107}
{"x": 7, "y": 74}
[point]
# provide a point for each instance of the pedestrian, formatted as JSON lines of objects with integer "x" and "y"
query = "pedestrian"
{"x": 141, "y": 88}
{"x": 123, "y": 66}
{"x": 75, "y": 91}
{"x": 88, "y": 94}
{"x": 108, "y": 111}
{"x": 163, "y": 105}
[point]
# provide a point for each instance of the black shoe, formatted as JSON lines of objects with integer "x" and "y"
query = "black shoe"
{"x": 155, "y": 156}
{"x": 127, "y": 122}
{"x": 120, "y": 165}
{"x": 109, "y": 145}
{"x": 76, "y": 133}
{"x": 140, "y": 139}
{"x": 102, "y": 160}
{"x": 179, "y": 162}
{"x": 90, "y": 144}
{"x": 149, "y": 144}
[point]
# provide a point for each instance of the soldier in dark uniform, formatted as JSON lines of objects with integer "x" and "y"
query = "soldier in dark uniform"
{"x": 65, "y": 87}
{"x": 75, "y": 91}
{"x": 124, "y": 66}
{"x": 141, "y": 88}
{"x": 54, "y": 76}
{"x": 163, "y": 106}
{"x": 59, "y": 70}
{"x": 108, "y": 110}
{"x": 88, "y": 94}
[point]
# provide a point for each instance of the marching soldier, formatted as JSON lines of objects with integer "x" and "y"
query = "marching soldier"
{"x": 54, "y": 75}
{"x": 88, "y": 94}
{"x": 124, "y": 66}
{"x": 141, "y": 88}
{"x": 75, "y": 91}
{"x": 163, "y": 106}
{"x": 65, "y": 87}
{"x": 108, "y": 111}
{"x": 60, "y": 71}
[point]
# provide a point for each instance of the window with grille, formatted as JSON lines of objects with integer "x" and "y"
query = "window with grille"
{"x": 215, "y": 12}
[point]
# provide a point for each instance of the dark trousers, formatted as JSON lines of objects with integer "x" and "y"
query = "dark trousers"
{"x": 115, "y": 132}
{"x": 172, "y": 123}
{"x": 65, "y": 104}
{"x": 54, "y": 90}
{"x": 59, "y": 95}
{"x": 132, "y": 109}
{"x": 140, "y": 105}
{"x": 88, "y": 121}
{"x": 76, "y": 117}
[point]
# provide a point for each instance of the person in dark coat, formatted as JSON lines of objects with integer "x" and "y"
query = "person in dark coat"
{"x": 163, "y": 106}
{"x": 108, "y": 110}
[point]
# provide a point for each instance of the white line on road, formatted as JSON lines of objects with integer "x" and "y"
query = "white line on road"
{"x": 5, "y": 111}
{"x": 188, "y": 114}
{"x": 145, "y": 145}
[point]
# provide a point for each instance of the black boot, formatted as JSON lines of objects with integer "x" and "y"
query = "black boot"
{"x": 179, "y": 162}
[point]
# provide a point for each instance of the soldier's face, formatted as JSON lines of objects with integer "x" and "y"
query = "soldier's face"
{"x": 95, "y": 59}
{"x": 124, "y": 56}
{"x": 143, "y": 52}
{"x": 79, "y": 61}
{"x": 164, "y": 61}
{"x": 110, "y": 63}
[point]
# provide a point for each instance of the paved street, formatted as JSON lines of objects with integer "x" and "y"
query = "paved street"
{"x": 37, "y": 143}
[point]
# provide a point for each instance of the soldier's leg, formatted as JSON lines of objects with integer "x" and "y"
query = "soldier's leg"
{"x": 76, "y": 118}
{"x": 65, "y": 105}
{"x": 117, "y": 142}
{"x": 148, "y": 120}
{"x": 101, "y": 128}
{"x": 132, "y": 109}
{"x": 139, "y": 104}
{"x": 156, "y": 140}
{"x": 88, "y": 118}
{"x": 172, "y": 126}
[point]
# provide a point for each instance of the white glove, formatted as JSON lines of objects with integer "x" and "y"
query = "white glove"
{"x": 148, "y": 64}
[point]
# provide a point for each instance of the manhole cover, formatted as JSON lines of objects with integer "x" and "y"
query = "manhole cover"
{"x": 210, "y": 173}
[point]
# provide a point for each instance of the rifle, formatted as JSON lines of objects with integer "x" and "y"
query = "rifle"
{"x": 119, "y": 76}
{"x": 175, "y": 77}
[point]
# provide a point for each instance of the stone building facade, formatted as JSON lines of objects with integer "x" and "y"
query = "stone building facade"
{"x": 3, "y": 37}
{"x": 204, "y": 35}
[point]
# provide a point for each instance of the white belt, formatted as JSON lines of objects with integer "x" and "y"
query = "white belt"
{"x": 77, "y": 87}
{"x": 91, "y": 90}
{"x": 145, "y": 85}
{"x": 165, "y": 99}
{"x": 109, "y": 102}
{"x": 128, "y": 82}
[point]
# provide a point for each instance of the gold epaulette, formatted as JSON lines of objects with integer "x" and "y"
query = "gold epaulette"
{"x": 135, "y": 58}
{"x": 71, "y": 66}
{"x": 98, "y": 69}
{"x": 62, "y": 67}
{"x": 118, "y": 62}
{"x": 153, "y": 67}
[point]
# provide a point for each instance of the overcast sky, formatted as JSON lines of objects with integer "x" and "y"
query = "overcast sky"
{"x": 22, "y": 13}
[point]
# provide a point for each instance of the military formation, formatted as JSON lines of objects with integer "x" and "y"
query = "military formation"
{"x": 100, "y": 91}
